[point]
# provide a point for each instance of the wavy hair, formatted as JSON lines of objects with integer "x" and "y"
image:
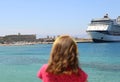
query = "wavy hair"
{"x": 63, "y": 58}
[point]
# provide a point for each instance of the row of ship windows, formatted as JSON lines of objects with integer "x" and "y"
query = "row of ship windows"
{"x": 110, "y": 33}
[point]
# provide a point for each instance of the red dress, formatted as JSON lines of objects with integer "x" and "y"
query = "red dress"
{"x": 48, "y": 77}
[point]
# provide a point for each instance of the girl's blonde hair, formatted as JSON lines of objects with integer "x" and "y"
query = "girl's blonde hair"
{"x": 63, "y": 57}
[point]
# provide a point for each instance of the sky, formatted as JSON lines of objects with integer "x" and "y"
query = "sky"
{"x": 53, "y": 17}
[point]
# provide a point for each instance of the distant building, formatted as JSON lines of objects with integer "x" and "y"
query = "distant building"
{"x": 19, "y": 37}
{"x": 1, "y": 40}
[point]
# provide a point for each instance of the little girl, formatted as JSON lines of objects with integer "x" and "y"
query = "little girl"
{"x": 63, "y": 63}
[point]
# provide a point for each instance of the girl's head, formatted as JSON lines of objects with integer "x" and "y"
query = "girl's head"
{"x": 63, "y": 57}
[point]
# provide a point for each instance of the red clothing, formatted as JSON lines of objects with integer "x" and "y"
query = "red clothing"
{"x": 48, "y": 77}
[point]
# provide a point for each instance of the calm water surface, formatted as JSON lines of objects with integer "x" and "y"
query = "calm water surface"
{"x": 101, "y": 61}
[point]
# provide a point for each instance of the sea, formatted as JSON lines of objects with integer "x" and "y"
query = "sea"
{"x": 101, "y": 61}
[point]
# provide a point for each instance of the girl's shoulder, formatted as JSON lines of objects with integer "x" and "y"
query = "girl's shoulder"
{"x": 42, "y": 71}
{"x": 83, "y": 74}
{"x": 44, "y": 67}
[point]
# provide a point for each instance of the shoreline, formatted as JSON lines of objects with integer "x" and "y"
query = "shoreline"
{"x": 26, "y": 43}
{"x": 19, "y": 40}
{"x": 33, "y": 43}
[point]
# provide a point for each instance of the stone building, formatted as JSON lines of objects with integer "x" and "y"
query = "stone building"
{"x": 1, "y": 40}
{"x": 19, "y": 37}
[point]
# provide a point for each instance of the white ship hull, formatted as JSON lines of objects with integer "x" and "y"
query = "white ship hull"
{"x": 101, "y": 37}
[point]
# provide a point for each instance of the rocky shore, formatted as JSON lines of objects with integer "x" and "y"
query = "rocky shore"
{"x": 80, "y": 40}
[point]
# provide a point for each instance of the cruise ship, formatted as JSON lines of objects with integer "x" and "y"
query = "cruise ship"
{"x": 104, "y": 29}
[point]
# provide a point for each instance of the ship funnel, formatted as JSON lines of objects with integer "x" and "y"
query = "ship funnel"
{"x": 106, "y": 16}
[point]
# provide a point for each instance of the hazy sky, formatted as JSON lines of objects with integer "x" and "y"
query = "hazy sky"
{"x": 53, "y": 17}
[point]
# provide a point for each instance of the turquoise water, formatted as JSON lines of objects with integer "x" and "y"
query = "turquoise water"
{"x": 101, "y": 61}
